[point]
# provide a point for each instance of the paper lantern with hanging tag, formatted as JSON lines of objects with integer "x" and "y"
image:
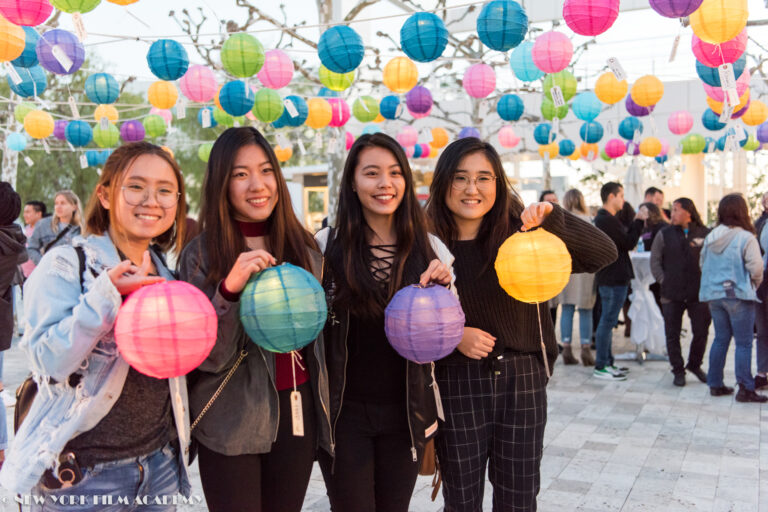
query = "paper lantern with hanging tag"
{"x": 389, "y": 107}
{"x": 552, "y": 150}
{"x": 718, "y": 21}
{"x": 713, "y": 55}
{"x": 423, "y": 37}
{"x": 68, "y": 44}
{"x": 711, "y": 75}
{"x": 302, "y": 111}
{"x": 319, "y": 113}
{"x": 29, "y": 13}
{"x": 38, "y": 124}
{"x": 566, "y": 147}
{"x": 106, "y": 138}
{"x": 102, "y": 88}
{"x": 543, "y": 134}
{"x": 400, "y": 75}
{"x": 563, "y": 79}
{"x": 267, "y": 105}
{"x": 340, "y": 49}
{"x": 609, "y": 90}
{"x": 636, "y": 110}
{"x": 167, "y": 59}
{"x": 340, "y": 112}
{"x": 365, "y": 109}
{"x": 33, "y": 82}
{"x": 79, "y": 133}
{"x": 236, "y": 98}
{"x": 591, "y": 132}
{"x": 549, "y": 111}
{"x": 502, "y": 24}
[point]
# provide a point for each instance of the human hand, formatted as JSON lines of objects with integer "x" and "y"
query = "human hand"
{"x": 437, "y": 272}
{"x": 476, "y": 343}
{"x": 248, "y": 263}
{"x": 535, "y": 214}
{"x": 127, "y": 277}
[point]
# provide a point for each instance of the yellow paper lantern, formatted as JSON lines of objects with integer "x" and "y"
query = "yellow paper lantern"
{"x": 38, "y": 124}
{"x": 433, "y": 152}
{"x": 650, "y": 146}
{"x": 574, "y": 156}
{"x": 319, "y": 113}
{"x": 552, "y": 149}
{"x": 283, "y": 154}
{"x": 756, "y": 114}
{"x": 400, "y": 75}
{"x": 379, "y": 118}
{"x": 439, "y": 138}
{"x": 609, "y": 90}
{"x": 585, "y": 149}
{"x": 12, "y": 40}
{"x": 107, "y": 111}
{"x": 533, "y": 266}
{"x": 168, "y": 150}
{"x": 717, "y": 106}
{"x": 718, "y": 21}
{"x": 162, "y": 94}
{"x": 123, "y": 2}
{"x": 647, "y": 91}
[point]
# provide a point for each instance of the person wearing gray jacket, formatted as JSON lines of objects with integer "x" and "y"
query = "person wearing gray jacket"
{"x": 60, "y": 229}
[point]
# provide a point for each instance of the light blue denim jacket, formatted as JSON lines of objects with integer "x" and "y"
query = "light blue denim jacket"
{"x": 70, "y": 330}
{"x": 730, "y": 254}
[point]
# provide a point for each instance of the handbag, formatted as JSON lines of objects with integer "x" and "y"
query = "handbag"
{"x": 431, "y": 467}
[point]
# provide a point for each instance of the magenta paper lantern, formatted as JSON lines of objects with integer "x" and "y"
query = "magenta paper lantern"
{"x": 166, "y": 114}
{"x": 552, "y": 52}
{"x": 675, "y": 8}
{"x": 615, "y": 148}
{"x": 59, "y": 129}
{"x": 350, "y": 139}
{"x": 30, "y": 13}
{"x": 199, "y": 84}
{"x": 590, "y": 17}
{"x": 632, "y": 148}
{"x": 424, "y": 324}
{"x": 664, "y": 147}
{"x": 636, "y": 110}
{"x": 277, "y": 70}
{"x": 166, "y": 330}
{"x": 508, "y": 138}
{"x": 340, "y": 112}
{"x": 408, "y": 136}
{"x": 717, "y": 94}
{"x": 713, "y": 55}
{"x": 132, "y": 131}
{"x": 419, "y": 100}
{"x": 680, "y": 122}
{"x": 479, "y": 80}
{"x": 425, "y": 150}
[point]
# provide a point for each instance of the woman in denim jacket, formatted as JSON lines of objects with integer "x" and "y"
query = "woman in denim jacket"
{"x": 98, "y": 427}
{"x": 731, "y": 271}
{"x": 60, "y": 229}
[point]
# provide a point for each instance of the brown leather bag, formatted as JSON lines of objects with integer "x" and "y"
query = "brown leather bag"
{"x": 431, "y": 467}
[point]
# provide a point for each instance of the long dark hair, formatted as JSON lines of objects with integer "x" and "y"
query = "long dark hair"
{"x": 687, "y": 205}
{"x": 733, "y": 212}
{"x": 654, "y": 215}
{"x": 288, "y": 240}
{"x": 502, "y": 218}
{"x": 356, "y": 289}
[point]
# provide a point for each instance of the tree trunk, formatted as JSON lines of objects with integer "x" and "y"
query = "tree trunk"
{"x": 336, "y": 160}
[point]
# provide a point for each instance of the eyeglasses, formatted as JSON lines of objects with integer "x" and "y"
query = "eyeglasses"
{"x": 461, "y": 182}
{"x": 136, "y": 195}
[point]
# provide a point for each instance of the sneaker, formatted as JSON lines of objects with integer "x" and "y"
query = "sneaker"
{"x": 720, "y": 391}
{"x": 607, "y": 374}
{"x": 760, "y": 381}
{"x": 679, "y": 380}
{"x": 749, "y": 395}
{"x": 619, "y": 369}
{"x": 8, "y": 399}
{"x": 699, "y": 373}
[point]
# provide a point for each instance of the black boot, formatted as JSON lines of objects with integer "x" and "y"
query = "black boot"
{"x": 749, "y": 395}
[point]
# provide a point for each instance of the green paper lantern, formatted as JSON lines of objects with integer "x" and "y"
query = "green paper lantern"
{"x": 693, "y": 144}
{"x": 549, "y": 111}
{"x": 204, "y": 151}
{"x": 268, "y": 105}
{"x": 154, "y": 125}
{"x": 242, "y": 55}
{"x": 563, "y": 79}
{"x": 604, "y": 155}
{"x": 108, "y": 137}
{"x": 336, "y": 81}
{"x": 752, "y": 143}
{"x": 72, "y": 6}
{"x": 365, "y": 109}
{"x": 22, "y": 109}
{"x": 227, "y": 120}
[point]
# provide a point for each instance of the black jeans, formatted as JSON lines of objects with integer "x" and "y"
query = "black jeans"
{"x": 273, "y": 481}
{"x": 374, "y": 469}
{"x": 698, "y": 312}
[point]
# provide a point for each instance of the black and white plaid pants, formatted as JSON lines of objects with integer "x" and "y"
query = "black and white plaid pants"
{"x": 495, "y": 414}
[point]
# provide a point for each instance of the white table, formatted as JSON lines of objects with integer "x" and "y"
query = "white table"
{"x": 647, "y": 321}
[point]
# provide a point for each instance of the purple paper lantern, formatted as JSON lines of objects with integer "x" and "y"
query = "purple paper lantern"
{"x": 132, "y": 131}
{"x": 762, "y": 132}
{"x": 469, "y": 131}
{"x": 419, "y": 100}
{"x": 743, "y": 111}
{"x": 70, "y": 47}
{"x": 675, "y": 8}
{"x": 59, "y": 129}
{"x": 424, "y": 324}
{"x": 636, "y": 110}
{"x": 632, "y": 148}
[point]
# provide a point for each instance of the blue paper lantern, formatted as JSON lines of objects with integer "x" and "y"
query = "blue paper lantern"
{"x": 370, "y": 129}
{"x": 102, "y": 88}
{"x": 629, "y": 126}
{"x": 743, "y": 141}
{"x": 711, "y": 76}
{"x": 591, "y": 132}
{"x": 325, "y": 92}
{"x": 200, "y": 116}
{"x": 423, "y": 37}
{"x": 167, "y": 59}
{"x": 502, "y": 24}
{"x": 424, "y": 324}
{"x": 417, "y": 151}
{"x": 33, "y": 81}
{"x": 389, "y": 106}
{"x": 283, "y": 308}
{"x": 586, "y": 106}
{"x": 469, "y": 131}
{"x": 521, "y": 62}
{"x": 78, "y": 133}
{"x": 340, "y": 49}
{"x": 711, "y": 145}
{"x": 16, "y": 142}
{"x": 721, "y": 143}
{"x": 28, "y": 57}
{"x": 96, "y": 157}
{"x": 567, "y": 147}
{"x": 280, "y": 122}
{"x": 662, "y": 159}
{"x": 510, "y": 107}
{"x": 711, "y": 120}
{"x": 543, "y": 134}
{"x": 301, "y": 108}
{"x": 236, "y": 98}
{"x": 68, "y": 44}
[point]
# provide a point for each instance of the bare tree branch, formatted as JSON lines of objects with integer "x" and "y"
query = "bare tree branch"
{"x": 352, "y": 14}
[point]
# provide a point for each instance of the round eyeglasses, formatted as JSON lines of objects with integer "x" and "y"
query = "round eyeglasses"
{"x": 136, "y": 195}
{"x": 461, "y": 182}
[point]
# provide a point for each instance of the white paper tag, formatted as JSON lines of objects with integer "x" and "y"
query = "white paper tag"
{"x": 181, "y": 110}
{"x": 609, "y": 127}
{"x": 302, "y": 149}
{"x": 104, "y": 123}
{"x": 291, "y": 108}
{"x": 206, "y": 118}
{"x": 675, "y": 44}
{"x": 282, "y": 141}
{"x": 28, "y": 161}
{"x": 332, "y": 145}
{"x": 77, "y": 20}
{"x": 318, "y": 140}
{"x": 71, "y": 147}
{"x": 365, "y": 106}
{"x": 653, "y": 125}
{"x": 591, "y": 155}
{"x": 73, "y": 107}
{"x": 557, "y": 96}
{"x": 236, "y": 124}
{"x": 438, "y": 400}
{"x": 741, "y": 133}
{"x": 732, "y": 96}
{"x": 426, "y": 136}
{"x": 83, "y": 161}
{"x": 168, "y": 125}
{"x": 15, "y": 78}
{"x": 727, "y": 77}
{"x": 636, "y": 137}
{"x": 616, "y": 68}
{"x": 683, "y": 168}
{"x": 46, "y": 147}
{"x": 399, "y": 110}
{"x": 297, "y": 414}
{"x": 62, "y": 57}
{"x": 730, "y": 143}
{"x": 725, "y": 115}
{"x": 546, "y": 157}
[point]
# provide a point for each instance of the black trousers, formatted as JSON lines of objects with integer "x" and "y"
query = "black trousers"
{"x": 271, "y": 482}
{"x": 495, "y": 414}
{"x": 698, "y": 312}
{"x": 374, "y": 469}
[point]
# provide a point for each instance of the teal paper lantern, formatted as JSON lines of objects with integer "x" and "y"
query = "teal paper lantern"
{"x": 16, "y": 142}
{"x": 78, "y": 133}
{"x": 389, "y": 107}
{"x": 591, "y": 132}
{"x": 711, "y": 76}
{"x": 567, "y": 147}
{"x": 340, "y": 49}
{"x": 302, "y": 111}
{"x": 510, "y": 107}
{"x": 502, "y": 24}
{"x": 167, "y": 59}
{"x": 236, "y": 98}
{"x": 28, "y": 57}
{"x": 711, "y": 120}
{"x": 586, "y": 106}
{"x": 283, "y": 308}
{"x": 102, "y": 88}
{"x": 629, "y": 126}
{"x": 423, "y": 37}
{"x": 33, "y": 81}
{"x": 543, "y": 134}
{"x": 267, "y": 106}
{"x": 521, "y": 62}
{"x": 210, "y": 116}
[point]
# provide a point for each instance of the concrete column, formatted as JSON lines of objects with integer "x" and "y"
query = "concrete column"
{"x": 740, "y": 171}
{"x": 693, "y": 182}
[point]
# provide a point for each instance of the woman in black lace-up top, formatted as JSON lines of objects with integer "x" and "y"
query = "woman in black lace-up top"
{"x": 382, "y": 406}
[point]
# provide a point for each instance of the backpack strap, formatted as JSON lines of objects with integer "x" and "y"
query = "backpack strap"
{"x": 81, "y": 266}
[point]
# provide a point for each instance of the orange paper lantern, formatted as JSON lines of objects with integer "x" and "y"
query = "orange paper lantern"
{"x": 400, "y": 74}
{"x": 107, "y": 111}
{"x": 756, "y": 113}
{"x": 609, "y": 90}
{"x": 717, "y": 106}
{"x": 162, "y": 94}
{"x": 552, "y": 149}
{"x": 319, "y": 113}
{"x": 439, "y": 138}
{"x": 585, "y": 150}
{"x": 647, "y": 91}
{"x": 38, "y": 124}
{"x": 283, "y": 154}
{"x": 650, "y": 146}
{"x": 12, "y": 40}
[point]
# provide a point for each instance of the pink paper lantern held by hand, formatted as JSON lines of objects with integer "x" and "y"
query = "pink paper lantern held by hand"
{"x": 508, "y": 138}
{"x": 615, "y": 148}
{"x": 198, "y": 84}
{"x": 408, "y": 136}
{"x": 166, "y": 330}
{"x": 714, "y": 55}
{"x": 552, "y": 52}
{"x": 277, "y": 70}
{"x": 340, "y": 112}
{"x": 479, "y": 80}
{"x": 680, "y": 122}
{"x": 590, "y": 17}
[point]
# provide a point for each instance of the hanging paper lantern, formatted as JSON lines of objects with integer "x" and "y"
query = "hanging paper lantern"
{"x": 510, "y": 107}
{"x": 167, "y": 59}
{"x": 521, "y": 62}
{"x": 662, "y": 159}
{"x": 589, "y": 152}
{"x": 400, "y": 75}
{"x": 633, "y": 149}
{"x": 390, "y": 107}
{"x": 711, "y": 145}
{"x": 479, "y": 80}
{"x": 565, "y": 80}
{"x": 200, "y": 116}
{"x": 16, "y": 142}
{"x": 198, "y": 84}
{"x": 408, "y": 136}
{"x": 102, "y": 88}
{"x": 743, "y": 110}
{"x": 371, "y": 129}
{"x": 277, "y": 70}
{"x": 423, "y": 37}
{"x": 349, "y": 139}
{"x": 336, "y": 81}
{"x": 59, "y": 129}
{"x": 417, "y": 115}
{"x": 132, "y": 131}
{"x": 718, "y": 21}
{"x": 433, "y": 153}
{"x": 717, "y": 94}
{"x": 268, "y": 105}
{"x": 552, "y": 52}
{"x": 167, "y": 115}
{"x": 68, "y": 44}
{"x": 162, "y": 94}
{"x": 106, "y": 138}
{"x": 123, "y": 2}
{"x": 636, "y": 110}
{"x": 591, "y": 132}
{"x": 744, "y": 101}
{"x": 419, "y": 100}
{"x": 154, "y": 125}
{"x": 615, "y": 148}
{"x": 552, "y": 150}
{"x": 609, "y": 90}
{"x": 425, "y": 150}
{"x": 693, "y": 143}
{"x": 502, "y": 24}
{"x": 664, "y": 147}
{"x": 752, "y": 144}
{"x": 283, "y": 154}
{"x": 439, "y": 138}
{"x": 711, "y": 76}
{"x": 574, "y": 156}
{"x": 283, "y": 308}
{"x": 28, "y": 57}
{"x": 30, "y": 13}
{"x": 38, "y": 124}
{"x": 590, "y": 17}
{"x": 586, "y": 106}
{"x": 424, "y": 324}
{"x": 204, "y": 151}
{"x": 762, "y": 132}
{"x": 756, "y": 114}
{"x": 227, "y": 120}
{"x": 166, "y": 330}
{"x": 543, "y": 134}
{"x": 469, "y": 131}
{"x": 409, "y": 151}
{"x": 33, "y": 82}
{"x": 417, "y": 150}
{"x": 78, "y": 133}
{"x": 301, "y": 111}
{"x": 507, "y": 137}
{"x": 319, "y": 113}
{"x": 340, "y": 49}
{"x": 647, "y": 91}
{"x": 12, "y": 40}
{"x": 650, "y": 146}
{"x": 21, "y": 110}
{"x": 549, "y": 111}
{"x": 675, "y": 8}
{"x": 533, "y": 266}
{"x": 340, "y": 112}
{"x": 325, "y": 92}
{"x": 73, "y": 6}
{"x": 93, "y": 157}
{"x": 236, "y": 98}
{"x": 680, "y": 122}
{"x": 604, "y": 156}
{"x": 566, "y": 147}
{"x": 714, "y": 55}
{"x": 242, "y": 55}
{"x": 365, "y": 109}
{"x": 629, "y": 126}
